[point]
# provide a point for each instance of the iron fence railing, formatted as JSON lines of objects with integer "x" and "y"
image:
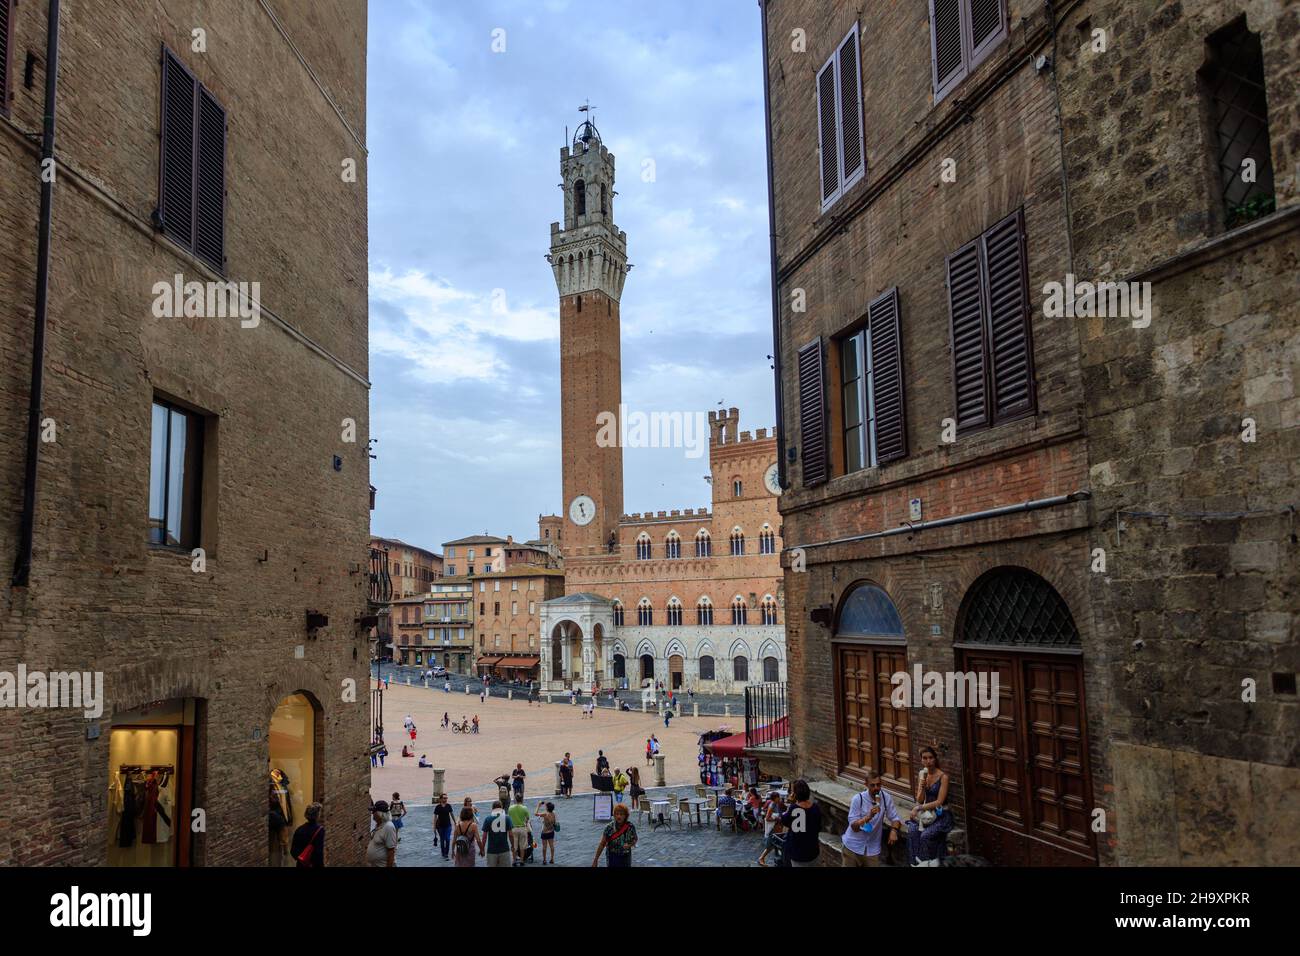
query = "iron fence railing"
{"x": 767, "y": 717}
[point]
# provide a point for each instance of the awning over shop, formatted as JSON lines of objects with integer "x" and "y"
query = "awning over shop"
{"x": 488, "y": 661}
{"x": 734, "y": 746}
{"x": 531, "y": 660}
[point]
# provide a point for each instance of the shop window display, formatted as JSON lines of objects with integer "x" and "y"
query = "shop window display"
{"x": 149, "y": 774}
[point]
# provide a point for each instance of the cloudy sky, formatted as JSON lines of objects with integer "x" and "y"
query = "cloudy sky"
{"x": 464, "y": 166}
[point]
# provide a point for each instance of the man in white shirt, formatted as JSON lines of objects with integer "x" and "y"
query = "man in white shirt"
{"x": 871, "y": 813}
{"x": 382, "y": 849}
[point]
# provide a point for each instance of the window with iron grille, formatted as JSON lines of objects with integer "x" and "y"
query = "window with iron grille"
{"x": 706, "y": 667}
{"x": 1012, "y": 607}
{"x": 192, "y": 164}
{"x": 1232, "y": 85}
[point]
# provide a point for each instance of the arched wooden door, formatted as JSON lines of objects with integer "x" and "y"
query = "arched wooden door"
{"x": 1028, "y": 782}
{"x": 647, "y": 667}
{"x": 675, "y": 667}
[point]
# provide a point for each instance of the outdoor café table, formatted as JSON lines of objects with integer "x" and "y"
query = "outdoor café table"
{"x": 697, "y": 804}
{"x": 659, "y": 808}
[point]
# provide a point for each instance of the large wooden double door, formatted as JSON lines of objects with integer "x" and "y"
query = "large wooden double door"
{"x": 1028, "y": 785}
{"x": 873, "y": 733}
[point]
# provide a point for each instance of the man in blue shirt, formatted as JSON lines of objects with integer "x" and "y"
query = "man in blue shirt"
{"x": 871, "y": 813}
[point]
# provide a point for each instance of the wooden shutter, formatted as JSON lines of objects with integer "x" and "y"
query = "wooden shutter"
{"x": 987, "y": 28}
{"x": 1011, "y": 359}
{"x": 6, "y": 51}
{"x": 949, "y": 64}
{"x": 850, "y": 108}
{"x": 176, "y": 174}
{"x": 966, "y": 310}
{"x": 826, "y": 132}
{"x": 210, "y": 197}
{"x": 814, "y": 448}
{"x": 887, "y": 377}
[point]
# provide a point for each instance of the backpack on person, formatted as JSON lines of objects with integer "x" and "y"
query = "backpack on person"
{"x": 461, "y": 847}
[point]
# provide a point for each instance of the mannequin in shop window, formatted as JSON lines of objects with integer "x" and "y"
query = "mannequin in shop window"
{"x": 279, "y": 816}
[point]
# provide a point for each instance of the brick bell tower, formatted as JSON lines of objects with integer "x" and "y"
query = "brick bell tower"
{"x": 589, "y": 258}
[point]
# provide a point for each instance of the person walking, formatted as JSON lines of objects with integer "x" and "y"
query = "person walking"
{"x": 442, "y": 825}
{"x": 520, "y": 829}
{"x": 929, "y": 822}
{"x": 802, "y": 821}
{"x": 566, "y": 776}
{"x": 466, "y": 839}
{"x": 871, "y": 813}
{"x": 517, "y": 781}
{"x": 773, "y": 832}
{"x": 668, "y": 715}
{"x": 308, "y": 846}
{"x": 602, "y": 762}
{"x": 482, "y": 694}
{"x": 468, "y": 804}
{"x": 620, "y": 784}
{"x": 546, "y": 813}
{"x": 382, "y": 848}
{"x": 494, "y": 841}
{"x": 396, "y": 811}
{"x": 446, "y": 720}
{"x": 617, "y": 840}
{"x": 474, "y": 726}
{"x": 649, "y": 753}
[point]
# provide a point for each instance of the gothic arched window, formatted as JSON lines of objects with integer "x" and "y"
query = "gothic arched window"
{"x": 673, "y": 545}
{"x": 674, "y": 612}
{"x": 618, "y": 613}
{"x": 704, "y": 611}
{"x": 739, "y": 613}
{"x": 706, "y": 667}
{"x": 766, "y": 541}
{"x": 645, "y": 615}
{"x": 769, "y": 609}
{"x": 703, "y": 545}
{"x": 643, "y": 547}
{"x": 604, "y": 199}
{"x": 580, "y": 198}
{"x": 737, "y": 541}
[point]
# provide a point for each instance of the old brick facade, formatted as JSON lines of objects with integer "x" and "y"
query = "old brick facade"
{"x": 1115, "y": 418}
{"x": 283, "y": 525}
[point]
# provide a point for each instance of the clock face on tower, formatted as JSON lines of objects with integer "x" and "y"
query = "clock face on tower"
{"x": 582, "y": 510}
{"x": 772, "y": 479}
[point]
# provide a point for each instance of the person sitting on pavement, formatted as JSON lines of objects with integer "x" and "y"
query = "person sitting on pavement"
{"x": 424, "y": 760}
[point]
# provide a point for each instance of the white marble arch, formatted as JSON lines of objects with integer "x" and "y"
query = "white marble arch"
{"x": 771, "y": 649}
{"x": 739, "y": 649}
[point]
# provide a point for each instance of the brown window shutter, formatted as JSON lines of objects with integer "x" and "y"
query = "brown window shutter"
{"x": 826, "y": 136}
{"x": 6, "y": 51}
{"x": 887, "y": 377}
{"x": 176, "y": 173}
{"x": 210, "y": 197}
{"x": 1010, "y": 353}
{"x": 966, "y": 310}
{"x": 813, "y": 449}
{"x": 949, "y": 64}
{"x": 851, "y": 106}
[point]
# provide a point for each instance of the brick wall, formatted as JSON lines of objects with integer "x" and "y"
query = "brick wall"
{"x": 284, "y": 531}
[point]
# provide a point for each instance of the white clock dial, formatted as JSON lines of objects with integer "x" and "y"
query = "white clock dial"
{"x": 772, "y": 479}
{"x": 582, "y": 510}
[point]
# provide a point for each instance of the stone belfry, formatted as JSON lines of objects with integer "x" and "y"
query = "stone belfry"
{"x": 589, "y": 258}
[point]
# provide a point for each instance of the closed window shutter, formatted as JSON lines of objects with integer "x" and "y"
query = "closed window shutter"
{"x": 985, "y": 27}
{"x": 826, "y": 132}
{"x": 850, "y": 108}
{"x": 946, "y": 43}
{"x": 6, "y": 48}
{"x": 966, "y": 308}
{"x": 210, "y": 198}
{"x": 814, "y": 449}
{"x": 1008, "y": 304}
{"x": 887, "y": 377}
{"x": 176, "y": 181}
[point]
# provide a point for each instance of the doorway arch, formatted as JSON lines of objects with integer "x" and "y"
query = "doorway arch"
{"x": 1028, "y": 782}
{"x": 647, "y": 667}
{"x": 294, "y": 767}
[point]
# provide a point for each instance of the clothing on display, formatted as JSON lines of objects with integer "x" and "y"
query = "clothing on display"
{"x": 141, "y": 798}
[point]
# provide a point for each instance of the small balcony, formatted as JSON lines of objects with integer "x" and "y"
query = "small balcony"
{"x": 379, "y": 582}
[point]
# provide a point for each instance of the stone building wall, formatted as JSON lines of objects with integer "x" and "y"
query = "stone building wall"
{"x": 284, "y": 531}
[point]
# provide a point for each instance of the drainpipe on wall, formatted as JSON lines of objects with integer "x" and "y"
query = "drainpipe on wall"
{"x": 771, "y": 222}
{"x": 23, "y": 567}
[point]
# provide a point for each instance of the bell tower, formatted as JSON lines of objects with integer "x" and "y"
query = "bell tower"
{"x": 589, "y": 258}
